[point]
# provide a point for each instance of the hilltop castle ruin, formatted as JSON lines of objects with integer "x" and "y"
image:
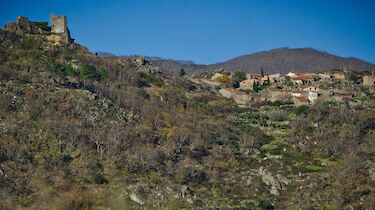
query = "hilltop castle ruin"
{"x": 58, "y": 24}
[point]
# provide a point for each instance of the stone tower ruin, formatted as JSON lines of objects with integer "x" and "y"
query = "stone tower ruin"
{"x": 58, "y": 24}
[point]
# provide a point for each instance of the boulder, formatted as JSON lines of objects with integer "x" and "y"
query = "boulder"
{"x": 371, "y": 173}
{"x": 277, "y": 182}
{"x": 136, "y": 198}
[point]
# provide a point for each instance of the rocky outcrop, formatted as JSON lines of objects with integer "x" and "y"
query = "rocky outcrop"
{"x": 277, "y": 182}
{"x": 141, "y": 64}
{"x": 137, "y": 194}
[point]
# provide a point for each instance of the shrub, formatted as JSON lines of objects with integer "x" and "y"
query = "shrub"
{"x": 279, "y": 115}
{"x": 302, "y": 109}
{"x": 89, "y": 87}
{"x": 98, "y": 178}
{"x": 240, "y": 75}
{"x": 182, "y": 72}
{"x": 89, "y": 72}
{"x": 43, "y": 25}
{"x": 265, "y": 204}
{"x": 146, "y": 78}
{"x": 143, "y": 92}
{"x": 224, "y": 79}
{"x": 192, "y": 174}
{"x": 276, "y": 103}
{"x": 103, "y": 73}
{"x": 63, "y": 69}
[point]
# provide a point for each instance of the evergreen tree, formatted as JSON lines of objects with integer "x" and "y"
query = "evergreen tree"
{"x": 182, "y": 72}
{"x": 255, "y": 87}
{"x": 261, "y": 71}
{"x": 268, "y": 82}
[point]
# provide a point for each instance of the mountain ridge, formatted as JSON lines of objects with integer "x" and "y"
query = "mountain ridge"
{"x": 280, "y": 60}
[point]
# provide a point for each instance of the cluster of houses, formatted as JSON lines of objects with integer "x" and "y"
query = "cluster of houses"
{"x": 294, "y": 87}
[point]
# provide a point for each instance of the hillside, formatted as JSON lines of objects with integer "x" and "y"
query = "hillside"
{"x": 78, "y": 131}
{"x": 281, "y": 60}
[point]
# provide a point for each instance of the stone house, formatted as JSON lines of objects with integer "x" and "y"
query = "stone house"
{"x": 302, "y": 80}
{"x": 248, "y": 84}
{"x": 274, "y": 78}
{"x": 325, "y": 76}
{"x": 310, "y": 95}
{"x": 298, "y": 101}
{"x": 309, "y": 88}
{"x": 227, "y": 92}
{"x": 273, "y": 94}
{"x": 369, "y": 80}
{"x": 293, "y": 74}
{"x": 243, "y": 98}
{"x": 299, "y": 93}
{"x": 342, "y": 96}
{"x": 339, "y": 76}
{"x": 239, "y": 96}
{"x": 253, "y": 76}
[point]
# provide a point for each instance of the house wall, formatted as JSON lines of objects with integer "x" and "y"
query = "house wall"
{"x": 369, "y": 80}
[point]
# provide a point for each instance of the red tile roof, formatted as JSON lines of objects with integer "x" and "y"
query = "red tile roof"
{"x": 302, "y": 99}
{"x": 253, "y": 74}
{"x": 303, "y": 78}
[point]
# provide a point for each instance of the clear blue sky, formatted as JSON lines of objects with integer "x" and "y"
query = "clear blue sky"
{"x": 210, "y": 31}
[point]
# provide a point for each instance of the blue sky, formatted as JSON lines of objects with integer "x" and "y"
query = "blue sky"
{"x": 210, "y": 31}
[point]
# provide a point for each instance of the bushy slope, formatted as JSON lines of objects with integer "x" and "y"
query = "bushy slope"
{"x": 82, "y": 132}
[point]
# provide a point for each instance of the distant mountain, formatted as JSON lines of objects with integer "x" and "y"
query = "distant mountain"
{"x": 281, "y": 60}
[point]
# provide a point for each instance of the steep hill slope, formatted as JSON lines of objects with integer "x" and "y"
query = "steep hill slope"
{"x": 78, "y": 131}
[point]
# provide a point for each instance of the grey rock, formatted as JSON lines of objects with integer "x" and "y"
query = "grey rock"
{"x": 249, "y": 180}
{"x": 371, "y": 173}
{"x": 136, "y": 198}
{"x": 277, "y": 182}
{"x": 252, "y": 152}
{"x": 189, "y": 200}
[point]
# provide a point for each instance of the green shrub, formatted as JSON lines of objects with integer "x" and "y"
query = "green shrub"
{"x": 182, "y": 72}
{"x": 63, "y": 69}
{"x": 240, "y": 75}
{"x": 276, "y": 103}
{"x": 224, "y": 79}
{"x": 43, "y": 25}
{"x": 146, "y": 79}
{"x": 89, "y": 88}
{"x": 302, "y": 109}
{"x": 89, "y": 72}
{"x": 265, "y": 204}
{"x": 98, "y": 178}
{"x": 143, "y": 92}
{"x": 193, "y": 174}
{"x": 103, "y": 73}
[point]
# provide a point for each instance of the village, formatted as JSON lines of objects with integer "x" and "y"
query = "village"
{"x": 339, "y": 85}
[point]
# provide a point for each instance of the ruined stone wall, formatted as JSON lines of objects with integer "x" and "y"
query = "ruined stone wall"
{"x": 22, "y": 26}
